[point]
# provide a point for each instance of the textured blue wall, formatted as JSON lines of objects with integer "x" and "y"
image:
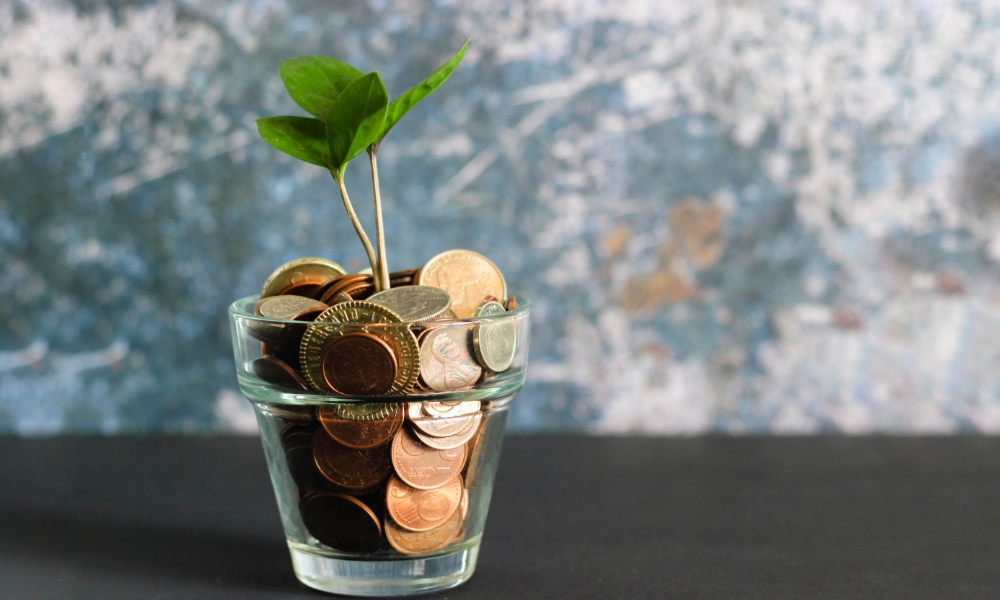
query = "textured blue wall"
{"x": 732, "y": 216}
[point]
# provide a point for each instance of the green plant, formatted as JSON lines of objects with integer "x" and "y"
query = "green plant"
{"x": 351, "y": 114}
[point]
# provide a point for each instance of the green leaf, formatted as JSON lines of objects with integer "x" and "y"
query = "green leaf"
{"x": 314, "y": 82}
{"x": 301, "y": 137}
{"x": 410, "y": 97}
{"x": 356, "y": 118}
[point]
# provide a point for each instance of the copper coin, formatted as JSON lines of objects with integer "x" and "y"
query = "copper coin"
{"x": 452, "y": 441}
{"x": 341, "y": 298}
{"x": 343, "y": 283}
{"x": 361, "y": 435}
{"x": 277, "y": 372}
{"x": 359, "y": 364}
{"x": 467, "y": 277}
{"x": 423, "y": 467}
{"x": 446, "y": 361}
{"x": 511, "y": 304}
{"x": 291, "y": 413}
{"x": 476, "y": 446}
{"x": 322, "y": 290}
{"x": 301, "y": 272}
{"x": 349, "y": 468}
{"x": 419, "y": 542}
{"x": 341, "y": 522}
{"x": 438, "y": 426}
{"x": 488, "y": 299}
{"x": 422, "y": 510}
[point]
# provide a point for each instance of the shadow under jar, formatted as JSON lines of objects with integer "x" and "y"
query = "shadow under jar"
{"x": 381, "y": 495}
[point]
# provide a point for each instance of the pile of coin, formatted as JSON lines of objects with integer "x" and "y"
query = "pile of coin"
{"x": 343, "y": 338}
{"x": 384, "y": 476}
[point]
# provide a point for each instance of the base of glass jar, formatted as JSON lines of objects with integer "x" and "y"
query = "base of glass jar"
{"x": 384, "y": 577}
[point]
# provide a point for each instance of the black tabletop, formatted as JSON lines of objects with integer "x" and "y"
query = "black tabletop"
{"x": 572, "y": 517}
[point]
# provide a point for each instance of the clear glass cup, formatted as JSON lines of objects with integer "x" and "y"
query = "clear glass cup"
{"x": 342, "y": 500}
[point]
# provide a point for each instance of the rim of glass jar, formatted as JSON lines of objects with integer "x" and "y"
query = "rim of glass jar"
{"x": 239, "y": 309}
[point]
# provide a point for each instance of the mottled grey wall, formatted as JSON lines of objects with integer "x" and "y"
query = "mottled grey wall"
{"x": 732, "y": 216}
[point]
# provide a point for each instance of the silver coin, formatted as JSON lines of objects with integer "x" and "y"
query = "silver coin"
{"x": 455, "y": 408}
{"x": 446, "y": 363}
{"x": 286, "y": 307}
{"x": 494, "y": 340}
{"x": 414, "y": 303}
{"x": 451, "y": 441}
{"x": 438, "y": 427}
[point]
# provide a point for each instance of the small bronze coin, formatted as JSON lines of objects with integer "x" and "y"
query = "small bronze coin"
{"x": 348, "y": 468}
{"x": 511, "y": 304}
{"x": 422, "y": 510}
{"x": 423, "y": 467}
{"x": 277, "y": 372}
{"x": 361, "y": 435}
{"x": 419, "y": 542}
{"x": 341, "y": 522}
{"x": 343, "y": 283}
{"x": 359, "y": 364}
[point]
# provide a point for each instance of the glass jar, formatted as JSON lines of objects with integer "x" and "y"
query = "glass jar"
{"x": 381, "y": 495}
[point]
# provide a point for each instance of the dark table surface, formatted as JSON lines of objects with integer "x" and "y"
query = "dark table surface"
{"x": 572, "y": 517}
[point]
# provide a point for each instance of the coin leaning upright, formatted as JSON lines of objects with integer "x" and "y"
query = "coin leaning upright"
{"x": 494, "y": 339}
{"x": 467, "y": 276}
{"x": 364, "y": 317}
{"x": 301, "y": 271}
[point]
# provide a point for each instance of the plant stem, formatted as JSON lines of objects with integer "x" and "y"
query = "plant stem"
{"x": 339, "y": 178}
{"x": 383, "y": 266}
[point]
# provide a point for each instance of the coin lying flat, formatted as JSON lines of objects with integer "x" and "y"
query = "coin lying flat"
{"x": 348, "y": 468}
{"x": 277, "y": 372}
{"x": 309, "y": 271}
{"x": 467, "y": 277}
{"x": 455, "y": 408}
{"x": 414, "y": 303}
{"x": 359, "y": 364}
{"x": 451, "y": 441}
{"x": 423, "y": 467}
{"x": 361, "y": 435}
{"x": 422, "y": 510}
{"x": 494, "y": 340}
{"x": 366, "y": 317}
{"x": 419, "y": 542}
{"x": 438, "y": 426}
{"x": 341, "y": 522}
{"x": 287, "y": 307}
{"x": 446, "y": 362}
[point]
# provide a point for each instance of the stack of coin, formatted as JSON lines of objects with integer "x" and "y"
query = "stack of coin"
{"x": 330, "y": 332}
{"x": 383, "y": 476}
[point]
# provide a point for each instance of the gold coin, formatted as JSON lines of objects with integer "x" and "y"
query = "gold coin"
{"x": 357, "y": 315}
{"x": 299, "y": 272}
{"x": 467, "y": 276}
{"x": 494, "y": 339}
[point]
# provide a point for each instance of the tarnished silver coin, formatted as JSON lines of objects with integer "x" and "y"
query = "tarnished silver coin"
{"x": 437, "y": 426}
{"x": 456, "y": 408}
{"x": 445, "y": 360}
{"x": 414, "y": 303}
{"x": 287, "y": 307}
{"x": 494, "y": 340}
{"x": 451, "y": 441}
